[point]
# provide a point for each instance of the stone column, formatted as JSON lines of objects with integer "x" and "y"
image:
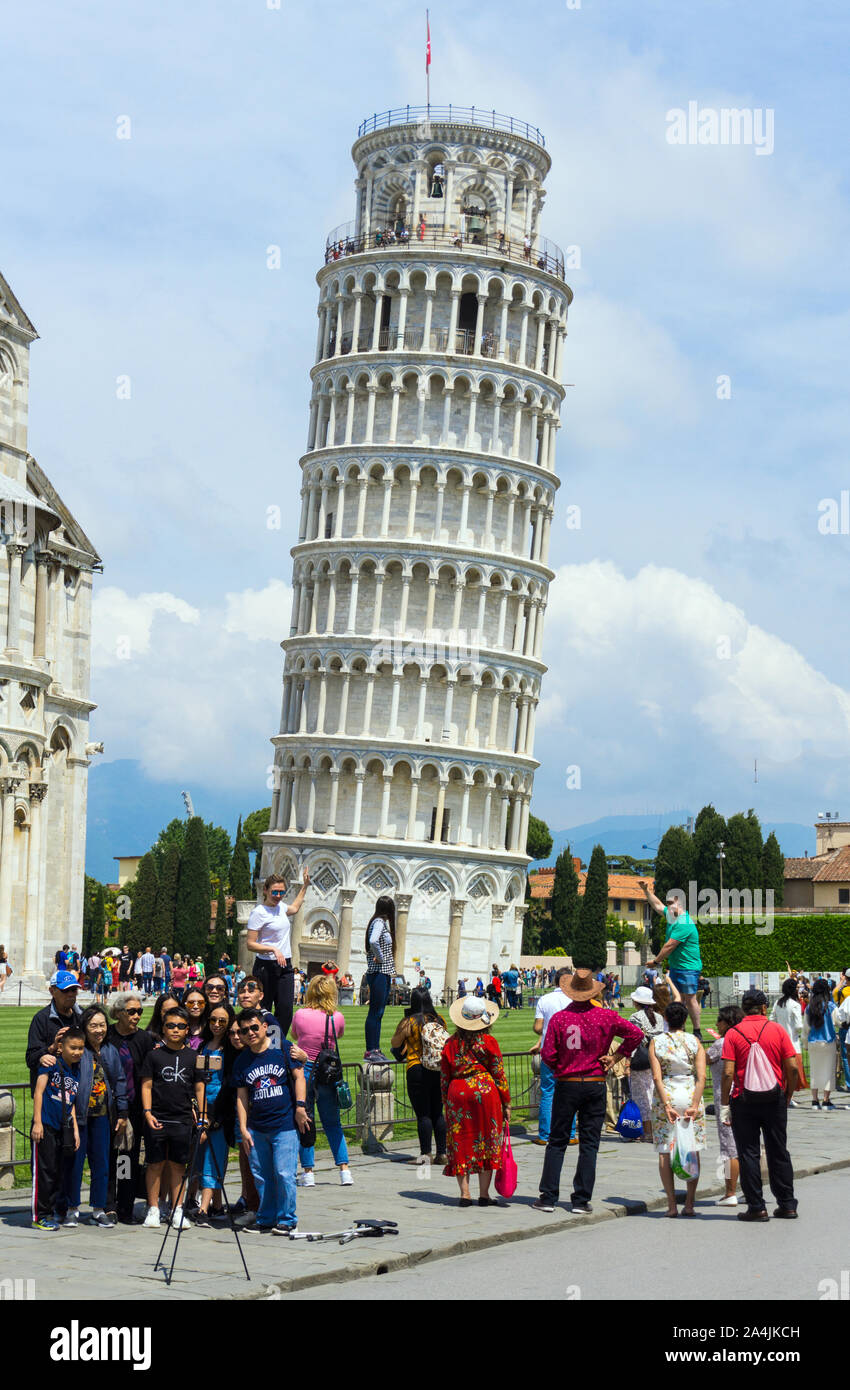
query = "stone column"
{"x": 426, "y": 331}
{"x": 402, "y": 908}
{"x": 410, "y": 833}
{"x": 32, "y": 961}
{"x": 330, "y": 828}
{"x": 372, "y": 392}
{"x": 16, "y": 553}
{"x": 355, "y": 331}
{"x": 451, "y": 344}
{"x": 343, "y": 702}
{"x": 359, "y": 778}
{"x": 453, "y": 949}
{"x": 40, "y": 643}
{"x": 8, "y": 788}
{"x": 402, "y": 318}
{"x": 385, "y": 804}
{"x": 343, "y": 956}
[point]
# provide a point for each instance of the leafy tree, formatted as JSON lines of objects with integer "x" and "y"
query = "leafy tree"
{"x": 256, "y": 825}
{"x": 539, "y": 839}
{"x": 773, "y": 868}
{"x": 620, "y": 931}
{"x": 240, "y": 870}
{"x": 92, "y": 929}
{"x": 192, "y": 909}
{"x": 709, "y": 831}
{"x": 625, "y": 864}
{"x": 166, "y": 897}
{"x": 564, "y": 904}
{"x": 589, "y": 949}
{"x": 141, "y": 925}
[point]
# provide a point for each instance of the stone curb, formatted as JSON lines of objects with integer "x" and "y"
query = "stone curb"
{"x": 389, "y": 1263}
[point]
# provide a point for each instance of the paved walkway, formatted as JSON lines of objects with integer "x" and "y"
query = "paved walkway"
{"x": 118, "y": 1264}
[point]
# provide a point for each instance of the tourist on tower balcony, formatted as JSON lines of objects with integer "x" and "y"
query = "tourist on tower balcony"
{"x": 380, "y": 970}
{"x": 270, "y": 938}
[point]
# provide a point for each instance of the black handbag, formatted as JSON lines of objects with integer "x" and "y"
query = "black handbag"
{"x": 306, "y": 1137}
{"x": 640, "y": 1057}
{"x": 327, "y": 1068}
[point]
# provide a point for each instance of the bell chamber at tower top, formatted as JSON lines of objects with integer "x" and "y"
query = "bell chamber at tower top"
{"x": 449, "y": 179}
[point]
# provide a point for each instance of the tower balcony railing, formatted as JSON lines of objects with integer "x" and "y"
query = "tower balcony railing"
{"x": 439, "y": 341}
{"x": 455, "y": 115}
{"x": 535, "y": 251}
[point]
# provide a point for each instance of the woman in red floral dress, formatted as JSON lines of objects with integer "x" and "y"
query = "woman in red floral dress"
{"x": 476, "y": 1098}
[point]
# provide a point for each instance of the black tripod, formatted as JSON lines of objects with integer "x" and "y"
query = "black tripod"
{"x": 203, "y": 1067}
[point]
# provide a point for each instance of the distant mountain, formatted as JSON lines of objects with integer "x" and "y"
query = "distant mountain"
{"x": 127, "y": 810}
{"x": 629, "y": 834}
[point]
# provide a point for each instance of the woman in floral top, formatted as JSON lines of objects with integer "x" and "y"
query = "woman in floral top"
{"x": 476, "y": 1098}
{"x": 678, "y": 1070}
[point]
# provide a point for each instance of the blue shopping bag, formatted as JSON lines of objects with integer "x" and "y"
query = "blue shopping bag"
{"x": 629, "y": 1124}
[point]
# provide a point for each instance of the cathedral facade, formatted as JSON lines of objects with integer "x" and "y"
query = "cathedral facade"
{"x": 405, "y": 755}
{"x": 47, "y": 565}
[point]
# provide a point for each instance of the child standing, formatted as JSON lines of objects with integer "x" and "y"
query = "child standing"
{"x": 168, "y": 1094}
{"x": 55, "y": 1136}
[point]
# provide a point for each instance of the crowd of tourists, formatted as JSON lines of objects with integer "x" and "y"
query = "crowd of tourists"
{"x": 247, "y": 1062}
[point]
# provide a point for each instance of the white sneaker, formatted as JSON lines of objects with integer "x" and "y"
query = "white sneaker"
{"x": 307, "y": 1179}
{"x": 152, "y": 1218}
{"x": 179, "y": 1219}
{"x": 728, "y": 1201}
{"x": 345, "y": 1178}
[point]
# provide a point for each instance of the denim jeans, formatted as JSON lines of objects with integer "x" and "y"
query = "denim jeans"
{"x": 842, "y": 1039}
{"x": 328, "y": 1107}
{"x": 379, "y": 993}
{"x": 213, "y": 1148}
{"x": 274, "y": 1159}
{"x": 547, "y": 1092}
{"x": 94, "y": 1144}
{"x": 147, "y": 981}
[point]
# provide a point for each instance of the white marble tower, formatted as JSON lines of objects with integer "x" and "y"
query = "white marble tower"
{"x": 47, "y": 565}
{"x": 405, "y": 757}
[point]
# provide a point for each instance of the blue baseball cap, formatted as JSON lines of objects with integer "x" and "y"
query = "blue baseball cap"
{"x": 64, "y": 979}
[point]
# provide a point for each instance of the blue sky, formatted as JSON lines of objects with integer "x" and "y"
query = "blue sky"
{"x": 146, "y": 257}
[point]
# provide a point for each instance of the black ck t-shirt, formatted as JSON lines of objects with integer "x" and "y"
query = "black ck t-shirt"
{"x": 173, "y": 1076}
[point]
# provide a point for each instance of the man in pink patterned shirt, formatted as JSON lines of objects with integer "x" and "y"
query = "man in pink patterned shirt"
{"x": 578, "y": 1050}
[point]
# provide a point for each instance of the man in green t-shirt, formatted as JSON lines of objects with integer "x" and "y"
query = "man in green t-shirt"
{"x": 682, "y": 948}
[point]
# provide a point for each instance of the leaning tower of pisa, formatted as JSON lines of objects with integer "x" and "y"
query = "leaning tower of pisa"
{"x": 405, "y": 758}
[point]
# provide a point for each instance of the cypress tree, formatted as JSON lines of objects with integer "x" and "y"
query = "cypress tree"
{"x": 166, "y": 898}
{"x": 141, "y": 924}
{"x": 589, "y": 950}
{"x": 742, "y": 865}
{"x": 240, "y": 869}
{"x": 560, "y": 930}
{"x": 709, "y": 831}
{"x": 674, "y": 861}
{"x": 99, "y": 918}
{"x": 192, "y": 908}
{"x": 773, "y": 868}
{"x": 221, "y": 941}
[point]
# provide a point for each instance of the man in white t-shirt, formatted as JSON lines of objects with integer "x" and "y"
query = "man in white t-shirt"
{"x": 270, "y": 937}
{"x": 547, "y": 1006}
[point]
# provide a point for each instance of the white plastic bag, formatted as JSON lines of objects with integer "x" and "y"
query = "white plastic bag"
{"x": 685, "y": 1150}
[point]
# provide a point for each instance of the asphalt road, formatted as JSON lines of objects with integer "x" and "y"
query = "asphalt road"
{"x": 647, "y": 1257}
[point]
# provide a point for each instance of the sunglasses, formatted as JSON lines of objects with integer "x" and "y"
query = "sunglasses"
{"x": 174, "y": 1023}
{"x": 250, "y": 1028}
{"x": 276, "y": 893}
{"x": 215, "y": 989}
{"x": 132, "y": 1011}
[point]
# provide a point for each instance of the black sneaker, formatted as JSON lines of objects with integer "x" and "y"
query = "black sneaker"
{"x": 581, "y": 1208}
{"x": 542, "y": 1205}
{"x": 753, "y": 1215}
{"x": 238, "y": 1207}
{"x": 202, "y": 1219}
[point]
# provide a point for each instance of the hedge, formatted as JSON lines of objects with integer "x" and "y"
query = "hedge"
{"x": 806, "y": 943}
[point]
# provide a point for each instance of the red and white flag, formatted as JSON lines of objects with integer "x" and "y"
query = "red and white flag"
{"x": 428, "y": 45}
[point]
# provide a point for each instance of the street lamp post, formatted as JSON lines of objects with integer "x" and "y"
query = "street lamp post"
{"x": 720, "y": 857}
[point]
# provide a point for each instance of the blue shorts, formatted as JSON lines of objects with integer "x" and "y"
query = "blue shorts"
{"x": 686, "y": 981}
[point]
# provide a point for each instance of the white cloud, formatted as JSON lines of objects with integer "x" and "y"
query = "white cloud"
{"x": 197, "y": 696}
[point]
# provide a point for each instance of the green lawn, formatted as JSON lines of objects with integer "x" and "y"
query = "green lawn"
{"x": 513, "y": 1031}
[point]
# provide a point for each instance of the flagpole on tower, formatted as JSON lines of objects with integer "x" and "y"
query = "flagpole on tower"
{"x": 428, "y": 61}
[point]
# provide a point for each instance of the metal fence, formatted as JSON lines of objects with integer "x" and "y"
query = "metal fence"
{"x": 541, "y": 253}
{"x": 456, "y": 115}
{"x": 20, "y": 1125}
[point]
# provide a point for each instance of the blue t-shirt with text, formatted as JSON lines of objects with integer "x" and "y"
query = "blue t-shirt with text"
{"x": 51, "y": 1101}
{"x": 264, "y": 1075}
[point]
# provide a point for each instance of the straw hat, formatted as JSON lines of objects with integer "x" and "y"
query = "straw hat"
{"x": 582, "y": 987}
{"x": 473, "y": 1014}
